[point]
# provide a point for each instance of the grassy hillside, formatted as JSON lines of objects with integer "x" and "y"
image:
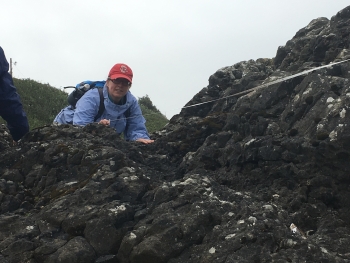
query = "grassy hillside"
{"x": 40, "y": 101}
{"x": 155, "y": 120}
{"x": 43, "y": 102}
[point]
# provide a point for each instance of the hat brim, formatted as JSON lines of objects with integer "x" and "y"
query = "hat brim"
{"x": 117, "y": 76}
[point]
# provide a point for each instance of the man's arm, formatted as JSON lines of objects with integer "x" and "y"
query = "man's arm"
{"x": 11, "y": 109}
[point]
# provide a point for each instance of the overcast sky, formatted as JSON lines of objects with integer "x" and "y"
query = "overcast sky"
{"x": 173, "y": 46}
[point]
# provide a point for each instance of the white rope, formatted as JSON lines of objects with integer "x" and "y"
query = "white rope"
{"x": 252, "y": 89}
{"x": 268, "y": 84}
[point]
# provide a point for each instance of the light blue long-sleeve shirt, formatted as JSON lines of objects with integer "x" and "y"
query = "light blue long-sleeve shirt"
{"x": 87, "y": 108}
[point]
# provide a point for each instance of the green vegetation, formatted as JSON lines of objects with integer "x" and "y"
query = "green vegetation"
{"x": 43, "y": 102}
{"x": 155, "y": 120}
{"x": 40, "y": 101}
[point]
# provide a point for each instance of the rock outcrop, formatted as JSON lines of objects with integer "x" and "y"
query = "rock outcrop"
{"x": 262, "y": 177}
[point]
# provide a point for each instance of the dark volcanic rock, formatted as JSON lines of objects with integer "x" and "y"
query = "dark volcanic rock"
{"x": 256, "y": 177}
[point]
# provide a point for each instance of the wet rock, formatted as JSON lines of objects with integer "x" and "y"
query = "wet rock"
{"x": 223, "y": 181}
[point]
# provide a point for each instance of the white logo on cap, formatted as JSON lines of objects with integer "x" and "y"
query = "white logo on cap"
{"x": 123, "y": 69}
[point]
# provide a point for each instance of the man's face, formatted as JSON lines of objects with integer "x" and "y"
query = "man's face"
{"x": 117, "y": 88}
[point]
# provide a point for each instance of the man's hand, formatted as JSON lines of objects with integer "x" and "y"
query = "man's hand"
{"x": 145, "y": 141}
{"x": 105, "y": 122}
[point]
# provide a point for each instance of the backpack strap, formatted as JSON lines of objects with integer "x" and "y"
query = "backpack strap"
{"x": 127, "y": 114}
{"x": 101, "y": 109}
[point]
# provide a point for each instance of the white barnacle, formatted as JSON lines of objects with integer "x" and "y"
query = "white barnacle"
{"x": 132, "y": 235}
{"x": 117, "y": 209}
{"x": 189, "y": 181}
{"x": 293, "y": 228}
{"x": 268, "y": 207}
{"x": 307, "y": 91}
{"x": 88, "y": 208}
{"x": 131, "y": 169}
{"x": 333, "y": 136}
{"x": 29, "y": 228}
{"x": 276, "y": 196}
{"x": 133, "y": 178}
{"x": 252, "y": 220}
{"x": 121, "y": 208}
{"x": 114, "y": 210}
{"x": 71, "y": 183}
{"x": 296, "y": 98}
{"x": 249, "y": 142}
{"x": 296, "y": 230}
{"x": 330, "y": 99}
{"x": 229, "y": 236}
{"x": 319, "y": 126}
{"x": 342, "y": 113}
{"x": 206, "y": 179}
{"x": 212, "y": 250}
{"x": 324, "y": 250}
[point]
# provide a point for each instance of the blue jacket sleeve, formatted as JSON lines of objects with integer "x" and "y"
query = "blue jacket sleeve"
{"x": 87, "y": 108}
{"x": 11, "y": 109}
{"x": 135, "y": 127}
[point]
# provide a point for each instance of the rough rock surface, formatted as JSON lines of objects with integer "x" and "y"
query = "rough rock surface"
{"x": 223, "y": 182}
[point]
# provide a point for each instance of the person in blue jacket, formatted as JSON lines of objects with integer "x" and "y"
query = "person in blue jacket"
{"x": 11, "y": 109}
{"x": 117, "y": 100}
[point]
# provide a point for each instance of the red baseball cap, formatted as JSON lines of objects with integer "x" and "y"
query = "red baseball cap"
{"x": 120, "y": 70}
